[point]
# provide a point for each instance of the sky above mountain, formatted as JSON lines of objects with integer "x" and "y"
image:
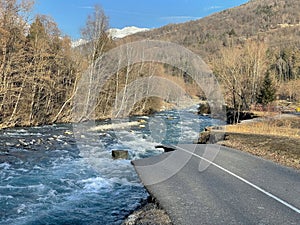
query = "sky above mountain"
{"x": 70, "y": 15}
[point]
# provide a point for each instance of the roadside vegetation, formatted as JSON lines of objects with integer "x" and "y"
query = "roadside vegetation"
{"x": 275, "y": 138}
{"x": 285, "y": 127}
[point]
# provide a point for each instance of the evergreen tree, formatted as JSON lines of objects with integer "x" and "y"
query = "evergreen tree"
{"x": 267, "y": 92}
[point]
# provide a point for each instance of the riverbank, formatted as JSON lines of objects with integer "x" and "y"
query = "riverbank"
{"x": 150, "y": 214}
{"x": 155, "y": 108}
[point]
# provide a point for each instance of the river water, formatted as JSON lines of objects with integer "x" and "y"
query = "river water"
{"x": 45, "y": 178}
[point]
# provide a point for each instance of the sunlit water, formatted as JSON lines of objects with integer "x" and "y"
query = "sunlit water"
{"x": 45, "y": 178}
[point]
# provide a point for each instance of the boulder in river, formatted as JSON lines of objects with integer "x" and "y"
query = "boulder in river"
{"x": 23, "y": 142}
{"x": 212, "y": 135}
{"x": 204, "y": 137}
{"x": 9, "y": 144}
{"x": 119, "y": 154}
{"x": 166, "y": 148}
{"x": 204, "y": 109}
{"x": 68, "y": 132}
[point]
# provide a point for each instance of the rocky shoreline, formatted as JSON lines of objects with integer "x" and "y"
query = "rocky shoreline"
{"x": 149, "y": 214}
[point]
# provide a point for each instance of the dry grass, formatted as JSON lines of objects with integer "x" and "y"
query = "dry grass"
{"x": 273, "y": 139}
{"x": 286, "y": 127}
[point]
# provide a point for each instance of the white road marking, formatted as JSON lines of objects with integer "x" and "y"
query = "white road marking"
{"x": 243, "y": 180}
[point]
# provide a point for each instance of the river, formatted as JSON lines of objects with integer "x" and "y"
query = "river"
{"x": 45, "y": 178}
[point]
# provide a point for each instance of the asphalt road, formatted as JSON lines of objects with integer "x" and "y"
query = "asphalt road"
{"x": 236, "y": 188}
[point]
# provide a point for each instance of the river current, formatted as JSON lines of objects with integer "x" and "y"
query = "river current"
{"x": 45, "y": 178}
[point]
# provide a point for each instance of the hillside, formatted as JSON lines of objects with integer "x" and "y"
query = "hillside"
{"x": 275, "y": 21}
{"x": 245, "y": 46}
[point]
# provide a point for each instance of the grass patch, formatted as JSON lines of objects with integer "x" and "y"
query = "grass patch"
{"x": 287, "y": 127}
{"x": 276, "y": 139}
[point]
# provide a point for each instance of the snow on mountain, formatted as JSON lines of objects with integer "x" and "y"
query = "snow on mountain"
{"x": 121, "y": 33}
{"x": 78, "y": 43}
{"x": 114, "y": 33}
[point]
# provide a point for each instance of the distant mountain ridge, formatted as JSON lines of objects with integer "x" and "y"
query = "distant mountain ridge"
{"x": 114, "y": 33}
{"x": 275, "y": 21}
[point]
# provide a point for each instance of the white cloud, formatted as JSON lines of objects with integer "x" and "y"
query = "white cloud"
{"x": 86, "y": 7}
{"x": 214, "y": 7}
{"x": 180, "y": 18}
{"x": 130, "y": 12}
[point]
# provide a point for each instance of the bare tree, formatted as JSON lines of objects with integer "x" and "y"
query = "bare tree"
{"x": 95, "y": 33}
{"x": 240, "y": 71}
{"x": 14, "y": 16}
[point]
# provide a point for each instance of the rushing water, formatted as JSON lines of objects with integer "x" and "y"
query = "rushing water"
{"x": 46, "y": 179}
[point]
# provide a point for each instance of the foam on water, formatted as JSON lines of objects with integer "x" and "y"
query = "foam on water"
{"x": 64, "y": 183}
{"x": 6, "y": 197}
{"x": 96, "y": 184}
{"x": 20, "y": 134}
{"x": 65, "y": 188}
{"x": 5, "y": 166}
{"x": 38, "y": 187}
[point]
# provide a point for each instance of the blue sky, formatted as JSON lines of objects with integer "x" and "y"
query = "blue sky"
{"x": 70, "y": 15}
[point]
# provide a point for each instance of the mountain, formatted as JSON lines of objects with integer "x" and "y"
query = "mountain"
{"x": 126, "y": 31}
{"x": 244, "y": 44}
{"x": 115, "y": 33}
{"x": 277, "y": 22}
{"x": 78, "y": 43}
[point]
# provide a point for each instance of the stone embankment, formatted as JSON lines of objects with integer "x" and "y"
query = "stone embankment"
{"x": 150, "y": 214}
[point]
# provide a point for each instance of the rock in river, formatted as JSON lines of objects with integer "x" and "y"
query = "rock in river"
{"x": 119, "y": 154}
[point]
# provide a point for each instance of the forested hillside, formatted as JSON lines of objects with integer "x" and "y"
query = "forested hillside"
{"x": 254, "y": 51}
{"x": 275, "y": 21}
{"x": 243, "y": 45}
{"x": 37, "y": 67}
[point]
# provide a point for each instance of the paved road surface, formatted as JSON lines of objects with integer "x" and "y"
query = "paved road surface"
{"x": 237, "y": 188}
